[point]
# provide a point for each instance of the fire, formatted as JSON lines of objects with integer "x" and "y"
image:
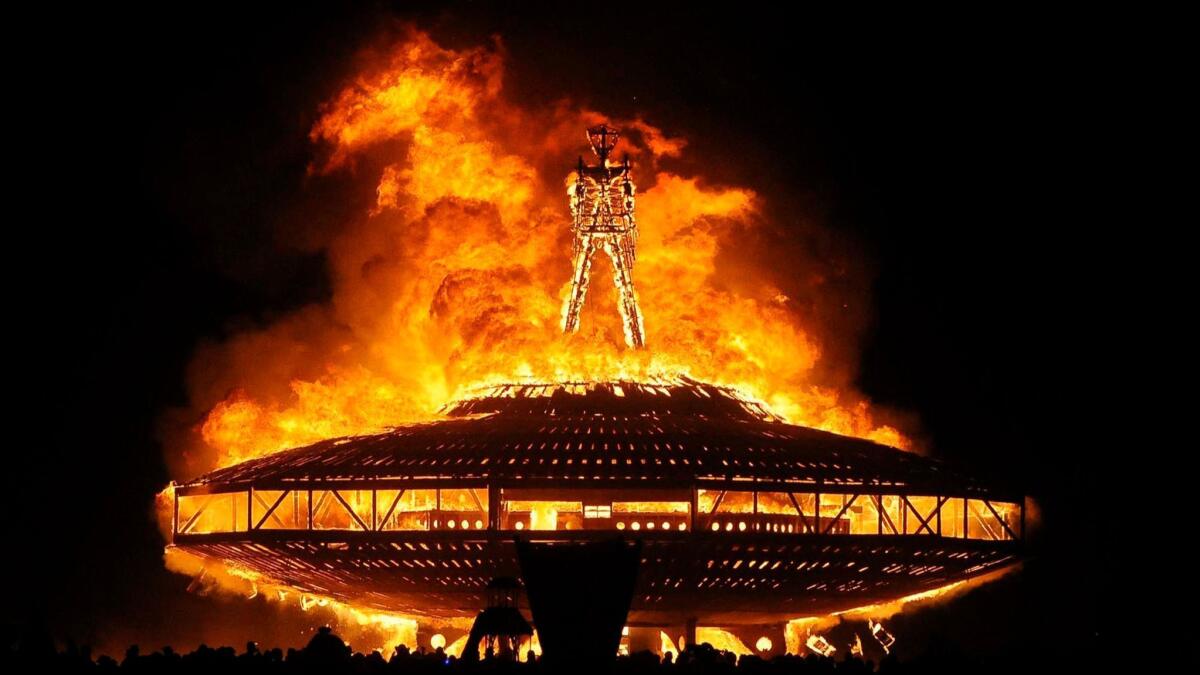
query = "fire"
{"x": 885, "y": 639}
{"x": 455, "y": 275}
{"x": 367, "y": 630}
{"x": 798, "y": 630}
{"x": 817, "y": 644}
{"x": 667, "y": 645}
{"x": 722, "y": 639}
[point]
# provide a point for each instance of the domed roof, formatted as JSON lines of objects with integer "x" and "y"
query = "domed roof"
{"x": 662, "y": 433}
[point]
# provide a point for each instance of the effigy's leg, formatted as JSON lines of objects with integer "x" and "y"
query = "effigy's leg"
{"x": 584, "y": 247}
{"x": 631, "y": 314}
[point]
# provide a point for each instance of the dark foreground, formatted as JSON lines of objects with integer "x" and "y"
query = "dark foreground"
{"x": 326, "y": 653}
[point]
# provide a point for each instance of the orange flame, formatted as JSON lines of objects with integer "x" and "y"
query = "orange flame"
{"x": 455, "y": 275}
{"x": 798, "y": 630}
{"x": 366, "y": 629}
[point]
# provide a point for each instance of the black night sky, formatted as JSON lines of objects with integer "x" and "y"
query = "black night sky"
{"x": 166, "y": 145}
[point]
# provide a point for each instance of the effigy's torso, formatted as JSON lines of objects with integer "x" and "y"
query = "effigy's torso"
{"x": 602, "y": 201}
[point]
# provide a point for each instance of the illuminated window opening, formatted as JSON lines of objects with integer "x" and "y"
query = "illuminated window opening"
{"x": 207, "y": 514}
{"x": 342, "y": 509}
{"x": 597, "y": 511}
{"x": 279, "y": 509}
{"x": 921, "y": 515}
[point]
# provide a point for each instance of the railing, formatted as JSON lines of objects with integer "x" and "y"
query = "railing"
{"x": 711, "y": 512}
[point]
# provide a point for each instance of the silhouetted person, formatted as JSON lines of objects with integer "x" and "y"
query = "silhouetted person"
{"x": 327, "y": 654}
{"x": 326, "y": 651}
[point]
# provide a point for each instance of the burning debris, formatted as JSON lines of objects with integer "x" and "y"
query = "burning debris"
{"x": 856, "y": 649}
{"x": 885, "y": 639}
{"x": 819, "y": 645}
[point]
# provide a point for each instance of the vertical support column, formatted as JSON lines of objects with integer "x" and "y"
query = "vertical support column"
{"x": 175, "y": 518}
{"x": 493, "y": 507}
{"x": 694, "y": 516}
{"x": 689, "y": 633}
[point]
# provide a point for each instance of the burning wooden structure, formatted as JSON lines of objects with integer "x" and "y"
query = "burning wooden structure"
{"x": 744, "y": 520}
{"x": 602, "y": 218}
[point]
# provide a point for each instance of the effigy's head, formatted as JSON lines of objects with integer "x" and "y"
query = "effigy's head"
{"x": 603, "y": 139}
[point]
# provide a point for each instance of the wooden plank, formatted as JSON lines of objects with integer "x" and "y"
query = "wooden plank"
{"x": 391, "y": 508}
{"x": 478, "y": 504}
{"x": 1003, "y": 524}
{"x": 350, "y": 511}
{"x": 845, "y": 507}
{"x": 270, "y": 509}
{"x": 196, "y": 516}
{"x": 884, "y": 514}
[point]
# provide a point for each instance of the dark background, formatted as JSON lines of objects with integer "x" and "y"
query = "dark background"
{"x": 162, "y": 148}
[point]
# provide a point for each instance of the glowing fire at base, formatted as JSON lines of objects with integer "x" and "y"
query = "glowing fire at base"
{"x": 799, "y": 629}
{"x": 374, "y": 630}
{"x": 367, "y": 630}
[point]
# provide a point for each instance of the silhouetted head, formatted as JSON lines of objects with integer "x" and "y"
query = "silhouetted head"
{"x": 603, "y": 139}
{"x": 325, "y": 647}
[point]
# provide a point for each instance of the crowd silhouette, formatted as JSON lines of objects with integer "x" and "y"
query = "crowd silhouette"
{"x": 327, "y": 653}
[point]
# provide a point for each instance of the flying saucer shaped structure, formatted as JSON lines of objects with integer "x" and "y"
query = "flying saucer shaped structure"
{"x": 743, "y": 519}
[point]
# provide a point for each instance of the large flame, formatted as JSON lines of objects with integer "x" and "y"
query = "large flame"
{"x": 455, "y": 275}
